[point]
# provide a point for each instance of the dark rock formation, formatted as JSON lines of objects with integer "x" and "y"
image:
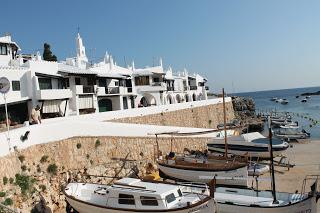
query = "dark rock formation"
{"x": 310, "y": 93}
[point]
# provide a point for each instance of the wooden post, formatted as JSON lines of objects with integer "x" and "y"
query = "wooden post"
{"x": 224, "y": 126}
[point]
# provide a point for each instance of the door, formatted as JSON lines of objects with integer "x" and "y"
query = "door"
{"x": 105, "y": 105}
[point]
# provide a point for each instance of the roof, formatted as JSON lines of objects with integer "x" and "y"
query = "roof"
{"x": 7, "y": 40}
{"x": 158, "y": 188}
{"x": 74, "y": 70}
{"x": 111, "y": 75}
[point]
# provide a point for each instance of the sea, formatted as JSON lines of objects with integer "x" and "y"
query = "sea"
{"x": 307, "y": 114}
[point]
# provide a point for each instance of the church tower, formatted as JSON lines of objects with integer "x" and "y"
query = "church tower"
{"x": 82, "y": 59}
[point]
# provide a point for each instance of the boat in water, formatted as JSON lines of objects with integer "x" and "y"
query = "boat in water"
{"x": 273, "y": 99}
{"x": 135, "y": 195}
{"x": 251, "y": 144}
{"x": 304, "y": 100}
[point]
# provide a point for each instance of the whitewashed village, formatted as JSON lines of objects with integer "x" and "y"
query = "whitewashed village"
{"x": 111, "y": 138}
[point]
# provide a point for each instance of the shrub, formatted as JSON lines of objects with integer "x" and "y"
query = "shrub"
{"x": 91, "y": 161}
{"x": 8, "y": 202}
{"x": 24, "y": 182}
{"x": 42, "y": 187}
{"x": 21, "y": 158}
{"x": 88, "y": 156}
{"x": 38, "y": 168}
{"x": 11, "y": 180}
{"x": 98, "y": 143}
{"x": 52, "y": 169}
{"x": 78, "y": 145}
{"x": 5, "y": 180}
{"x": 44, "y": 159}
{"x": 23, "y": 167}
{"x": 2, "y": 194}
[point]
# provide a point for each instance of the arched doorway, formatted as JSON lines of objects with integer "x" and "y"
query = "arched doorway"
{"x": 187, "y": 97}
{"x": 178, "y": 97}
{"x": 169, "y": 99}
{"x": 147, "y": 100}
{"x": 144, "y": 102}
{"x": 194, "y": 97}
{"x": 105, "y": 105}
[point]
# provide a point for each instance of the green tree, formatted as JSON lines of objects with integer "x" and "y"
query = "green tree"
{"x": 47, "y": 54}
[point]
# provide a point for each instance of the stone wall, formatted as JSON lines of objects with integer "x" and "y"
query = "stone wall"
{"x": 82, "y": 156}
{"x": 199, "y": 117}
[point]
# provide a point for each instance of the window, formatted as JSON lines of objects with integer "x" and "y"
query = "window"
{"x": 148, "y": 201}
{"x": 66, "y": 81}
{"x": 143, "y": 80}
{"x": 3, "y": 49}
{"x": 128, "y": 83}
{"x": 156, "y": 79}
{"x": 15, "y": 85}
{"x": 126, "y": 199}
{"x": 200, "y": 84}
{"x": 102, "y": 82}
{"x": 61, "y": 83}
{"x": 179, "y": 193}
{"x": 116, "y": 83}
{"x": 170, "y": 198}
{"x": 45, "y": 83}
{"x": 78, "y": 82}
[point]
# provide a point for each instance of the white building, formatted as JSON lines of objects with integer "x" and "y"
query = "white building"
{"x": 75, "y": 86}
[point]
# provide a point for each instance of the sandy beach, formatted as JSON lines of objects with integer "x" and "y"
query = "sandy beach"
{"x": 306, "y": 158}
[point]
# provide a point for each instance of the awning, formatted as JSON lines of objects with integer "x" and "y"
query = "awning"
{"x": 111, "y": 75}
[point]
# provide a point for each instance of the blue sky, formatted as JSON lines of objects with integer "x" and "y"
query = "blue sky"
{"x": 243, "y": 45}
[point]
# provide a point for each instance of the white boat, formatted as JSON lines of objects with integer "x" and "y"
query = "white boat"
{"x": 290, "y": 125}
{"x": 304, "y": 100}
{"x": 251, "y": 144}
{"x": 256, "y": 169}
{"x": 291, "y": 134}
{"x": 284, "y": 101}
{"x": 273, "y": 99}
{"x": 195, "y": 168}
{"x": 135, "y": 195}
{"x": 238, "y": 200}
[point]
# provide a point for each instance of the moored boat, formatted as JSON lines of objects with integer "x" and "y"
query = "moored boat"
{"x": 135, "y": 195}
{"x": 251, "y": 144}
{"x": 291, "y": 134}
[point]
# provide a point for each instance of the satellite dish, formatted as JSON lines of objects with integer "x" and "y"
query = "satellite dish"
{"x": 4, "y": 85}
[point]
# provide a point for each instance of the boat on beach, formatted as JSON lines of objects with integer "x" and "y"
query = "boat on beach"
{"x": 253, "y": 145}
{"x": 135, "y": 195}
{"x": 193, "y": 168}
{"x": 289, "y": 134}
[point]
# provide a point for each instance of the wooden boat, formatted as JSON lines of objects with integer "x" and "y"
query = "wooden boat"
{"x": 203, "y": 169}
{"x": 135, "y": 195}
{"x": 251, "y": 144}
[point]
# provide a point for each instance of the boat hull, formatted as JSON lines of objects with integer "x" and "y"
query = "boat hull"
{"x": 240, "y": 175}
{"x": 207, "y": 206}
{"x": 308, "y": 205}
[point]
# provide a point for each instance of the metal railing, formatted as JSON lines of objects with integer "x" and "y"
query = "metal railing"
{"x": 112, "y": 90}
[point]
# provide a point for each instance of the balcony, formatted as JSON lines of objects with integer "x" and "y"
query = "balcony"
{"x": 155, "y": 86}
{"x": 52, "y": 94}
{"x": 193, "y": 87}
{"x": 170, "y": 88}
{"x": 84, "y": 89}
{"x": 112, "y": 90}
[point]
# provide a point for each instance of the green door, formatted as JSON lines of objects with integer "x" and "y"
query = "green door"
{"x": 105, "y": 105}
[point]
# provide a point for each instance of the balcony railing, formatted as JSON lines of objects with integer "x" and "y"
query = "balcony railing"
{"x": 193, "y": 87}
{"x": 112, "y": 90}
{"x": 207, "y": 88}
{"x": 170, "y": 88}
{"x": 88, "y": 89}
{"x": 158, "y": 84}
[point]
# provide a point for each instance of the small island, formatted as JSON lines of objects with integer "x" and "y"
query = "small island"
{"x": 311, "y": 93}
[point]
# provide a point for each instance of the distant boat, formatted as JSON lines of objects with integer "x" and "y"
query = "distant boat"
{"x": 308, "y": 96}
{"x": 273, "y": 99}
{"x": 304, "y": 100}
{"x": 135, "y": 195}
{"x": 278, "y": 100}
{"x": 284, "y": 101}
{"x": 297, "y": 96}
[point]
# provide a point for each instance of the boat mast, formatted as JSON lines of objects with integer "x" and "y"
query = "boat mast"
{"x": 275, "y": 201}
{"x": 224, "y": 126}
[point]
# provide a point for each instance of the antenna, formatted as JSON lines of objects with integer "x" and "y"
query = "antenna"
{"x": 125, "y": 62}
{"x": 78, "y": 29}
